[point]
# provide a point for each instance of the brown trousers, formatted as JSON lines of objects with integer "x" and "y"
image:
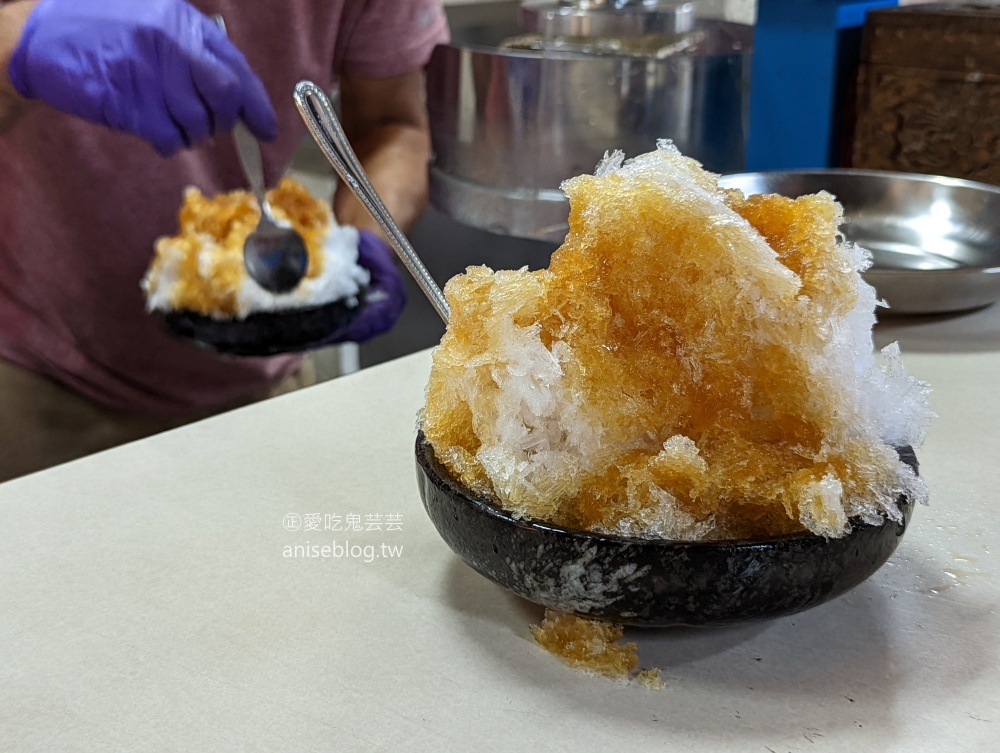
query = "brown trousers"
{"x": 43, "y": 424}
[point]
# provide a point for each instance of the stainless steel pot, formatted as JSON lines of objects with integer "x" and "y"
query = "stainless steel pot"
{"x": 587, "y": 21}
{"x": 509, "y": 125}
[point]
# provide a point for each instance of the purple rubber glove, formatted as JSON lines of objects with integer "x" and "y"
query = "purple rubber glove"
{"x": 158, "y": 69}
{"x": 386, "y": 295}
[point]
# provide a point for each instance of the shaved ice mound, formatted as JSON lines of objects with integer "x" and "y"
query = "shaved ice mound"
{"x": 201, "y": 268}
{"x": 694, "y": 364}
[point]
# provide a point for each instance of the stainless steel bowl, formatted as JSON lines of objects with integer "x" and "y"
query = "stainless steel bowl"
{"x": 935, "y": 241}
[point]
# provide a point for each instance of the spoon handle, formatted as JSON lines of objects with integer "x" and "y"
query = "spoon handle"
{"x": 322, "y": 123}
{"x": 249, "y": 152}
{"x": 247, "y": 147}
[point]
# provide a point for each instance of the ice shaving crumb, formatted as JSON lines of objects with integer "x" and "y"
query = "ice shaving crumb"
{"x": 651, "y": 679}
{"x": 594, "y": 647}
{"x": 589, "y": 645}
{"x": 201, "y": 268}
{"x": 693, "y": 364}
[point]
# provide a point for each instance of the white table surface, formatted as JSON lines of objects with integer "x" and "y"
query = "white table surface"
{"x": 145, "y": 603}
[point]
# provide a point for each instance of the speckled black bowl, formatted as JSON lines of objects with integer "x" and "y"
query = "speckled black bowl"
{"x": 651, "y": 583}
{"x": 266, "y": 333}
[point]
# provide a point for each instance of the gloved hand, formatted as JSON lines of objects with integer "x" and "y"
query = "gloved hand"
{"x": 386, "y": 295}
{"x": 158, "y": 69}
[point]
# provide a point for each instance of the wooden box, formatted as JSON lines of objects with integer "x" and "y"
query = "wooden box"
{"x": 928, "y": 97}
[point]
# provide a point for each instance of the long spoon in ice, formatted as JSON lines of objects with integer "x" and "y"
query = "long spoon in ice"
{"x": 317, "y": 112}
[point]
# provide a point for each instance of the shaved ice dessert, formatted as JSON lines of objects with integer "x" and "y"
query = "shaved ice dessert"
{"x": 694, "y": 364}
{"x": 201, "y": 269}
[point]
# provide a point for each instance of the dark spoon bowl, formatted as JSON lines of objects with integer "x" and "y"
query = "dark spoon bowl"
{"x": 652, "y": 583}
{"x": 266, "y": 333}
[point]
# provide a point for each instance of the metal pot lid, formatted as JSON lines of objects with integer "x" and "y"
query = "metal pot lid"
{"x": 583, "y": 19}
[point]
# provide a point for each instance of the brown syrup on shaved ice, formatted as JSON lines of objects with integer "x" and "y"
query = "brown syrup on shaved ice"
{"x": 206, "y": 256}
{"x": 694, "y": 364}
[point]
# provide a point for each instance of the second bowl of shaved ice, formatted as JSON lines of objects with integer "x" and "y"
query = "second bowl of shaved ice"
{"x": 198, "y": 283}
{"x": 694, "y": 365}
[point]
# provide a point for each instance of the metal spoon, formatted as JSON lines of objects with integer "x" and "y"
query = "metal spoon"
{"x": 274, "y": 254}
{"x": 317, "y": 112}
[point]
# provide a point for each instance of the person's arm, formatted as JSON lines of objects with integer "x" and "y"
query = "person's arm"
{"x": 12, "y": 18}
{"x": 385, "y": 120}
{"x": 160, "y": 70}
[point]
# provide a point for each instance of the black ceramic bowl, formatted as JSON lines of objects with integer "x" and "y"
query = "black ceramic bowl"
{"x": 651, "y": 582}
{"x": 266, "y": 333}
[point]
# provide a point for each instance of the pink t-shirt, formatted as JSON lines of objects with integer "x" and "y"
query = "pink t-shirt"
{"x": 81, "y": 206}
